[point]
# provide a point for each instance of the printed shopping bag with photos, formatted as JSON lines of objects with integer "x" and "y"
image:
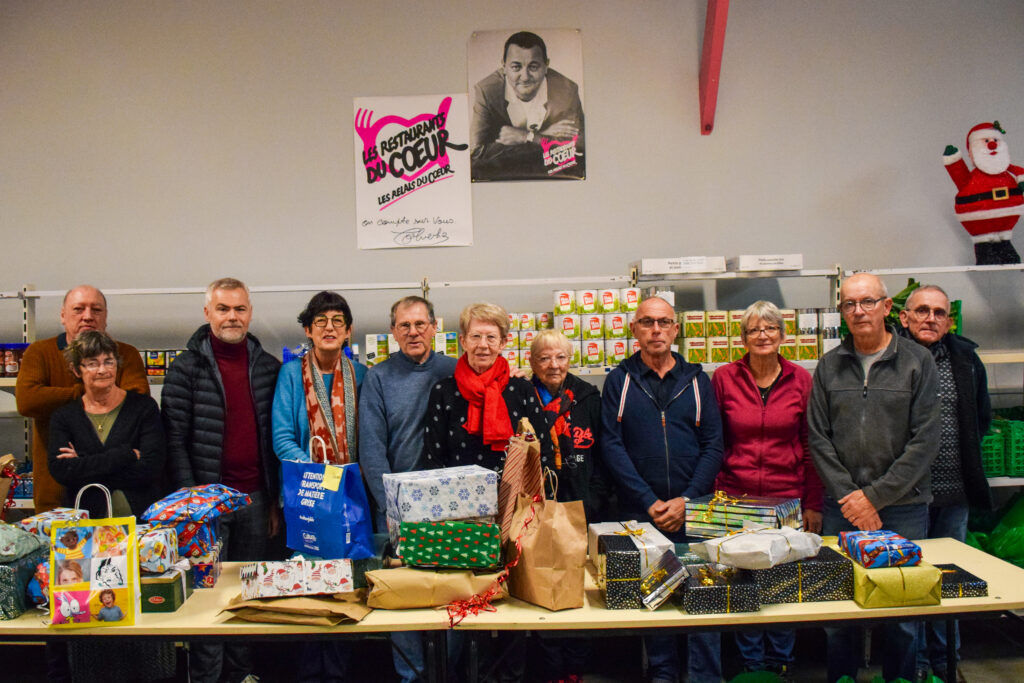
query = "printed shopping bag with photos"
{"x": 94, "y": 572}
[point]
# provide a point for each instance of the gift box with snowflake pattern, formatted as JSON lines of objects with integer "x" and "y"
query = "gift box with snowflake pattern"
{"x": 469, "y": 492}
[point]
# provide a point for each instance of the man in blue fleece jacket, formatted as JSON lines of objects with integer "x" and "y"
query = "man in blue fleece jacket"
{"x": 392, "y": 406}
{"x": 662, "y": 446}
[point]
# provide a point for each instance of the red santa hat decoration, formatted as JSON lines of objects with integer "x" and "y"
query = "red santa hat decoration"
{"x": 989, "y": 198}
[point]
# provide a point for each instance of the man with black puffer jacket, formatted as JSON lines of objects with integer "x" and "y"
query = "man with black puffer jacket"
{"x": 216, "y": 404}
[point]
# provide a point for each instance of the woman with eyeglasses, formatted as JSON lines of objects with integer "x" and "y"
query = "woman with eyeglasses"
{"x": 572, "y": 418}
{"x": 472, "y": 415}
{"x": 110, "y": 436}
{"x": 572, "y": 412}
{"x": 763, "y": 401}
{"x": 317, "y": 394}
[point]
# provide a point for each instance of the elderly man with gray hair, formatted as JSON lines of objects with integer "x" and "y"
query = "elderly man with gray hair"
{"x": 45, "y": 382}
{"x": 873, "y": 424}
{"x": 958, "y": 479}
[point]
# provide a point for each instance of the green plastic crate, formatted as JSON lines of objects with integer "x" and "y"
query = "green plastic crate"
{"x": 1013, "y": 456}
{"x": 993, "y": 450}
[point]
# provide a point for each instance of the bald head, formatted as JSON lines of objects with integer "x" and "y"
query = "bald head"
{"x": 84, "y": 308}
{"x": 864, "y": 282}
{"x": 654, "y": 328}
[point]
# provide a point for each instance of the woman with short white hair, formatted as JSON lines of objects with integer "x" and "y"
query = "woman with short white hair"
{"x": 471, "y": 415}
{"x": 572, "y": 418}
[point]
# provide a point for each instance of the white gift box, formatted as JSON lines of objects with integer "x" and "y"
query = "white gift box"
{"x": 297, "y": 576}
{"x": 759, "y": 547}
{"x": 467, "y": 492}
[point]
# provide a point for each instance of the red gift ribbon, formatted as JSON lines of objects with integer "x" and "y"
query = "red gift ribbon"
{"x": 481, "y": 602}
{"x": 9, "y": 473}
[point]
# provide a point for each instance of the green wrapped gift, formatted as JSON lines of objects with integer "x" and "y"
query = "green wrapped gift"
{"x": 897, "y": 586}
{"x": 450, "y": 544}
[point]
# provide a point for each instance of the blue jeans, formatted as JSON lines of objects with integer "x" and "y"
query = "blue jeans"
{"x": 411, "y": 645}
{"x": 762, "y": 650}
{"x": 944, "y": 521}
{"x": 562, "y": 657}
{"x": 323, "y": 661}
{"x": 243, "y": 534}
{"x": 899, "y": 640}
{"x": 705, "y": 657}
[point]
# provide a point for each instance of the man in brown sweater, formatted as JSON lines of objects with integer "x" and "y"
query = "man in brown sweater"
{"x": 45, "y": 382}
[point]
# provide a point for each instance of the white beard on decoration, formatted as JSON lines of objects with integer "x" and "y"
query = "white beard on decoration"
{"x": 991, "y": 162}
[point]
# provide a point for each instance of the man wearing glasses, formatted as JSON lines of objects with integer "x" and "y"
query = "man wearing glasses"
{"x": 873, "y": 424}
{"x": 663, "y": 446}
{"x": 958, "y": 479}
{"x": 216, "y": 403}
{"x": 45, "y": 382}
{"x": 392, "y": 406}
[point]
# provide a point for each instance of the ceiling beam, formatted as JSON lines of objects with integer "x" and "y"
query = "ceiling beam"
{"x": 711, "y": 62}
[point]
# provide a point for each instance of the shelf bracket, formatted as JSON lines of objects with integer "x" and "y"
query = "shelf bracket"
{"x": 711, "y": 62}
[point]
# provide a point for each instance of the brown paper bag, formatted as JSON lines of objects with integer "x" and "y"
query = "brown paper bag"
{"x": 406, "y": 587}
{"x": 298, "y": 610}
{"x": 554, "y": 553}
{"x": 522, "y": 473}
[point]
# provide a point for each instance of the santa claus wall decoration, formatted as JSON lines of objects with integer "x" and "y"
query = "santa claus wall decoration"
{"x": 989, "y": 199}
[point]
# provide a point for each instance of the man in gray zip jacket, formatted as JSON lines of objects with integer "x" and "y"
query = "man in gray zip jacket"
{"x": 874, "y": 430}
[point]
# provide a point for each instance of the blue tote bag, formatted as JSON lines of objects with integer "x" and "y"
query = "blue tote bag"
{"x": 326, "y": 511}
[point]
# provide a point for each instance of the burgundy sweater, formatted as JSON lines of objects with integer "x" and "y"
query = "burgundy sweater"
{"x": 240, "y": 457}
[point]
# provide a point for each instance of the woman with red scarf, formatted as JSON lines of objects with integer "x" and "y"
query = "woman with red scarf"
{"x": 472, "y": 415}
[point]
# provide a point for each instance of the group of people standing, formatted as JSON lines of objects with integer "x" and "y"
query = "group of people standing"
{"x": 858, "y": 443}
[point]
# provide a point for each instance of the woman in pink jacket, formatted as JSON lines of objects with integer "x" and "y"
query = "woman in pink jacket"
{"x": 763, "y": 401}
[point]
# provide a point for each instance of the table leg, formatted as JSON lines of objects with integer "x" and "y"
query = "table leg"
{"x": 474, "y": 657}
{"x": 950, "y": 651}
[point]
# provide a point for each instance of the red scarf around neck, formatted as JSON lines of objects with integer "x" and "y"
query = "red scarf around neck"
{"x": 487, "y": 413}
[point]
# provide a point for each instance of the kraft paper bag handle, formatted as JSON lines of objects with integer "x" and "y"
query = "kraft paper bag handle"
{"x": 106, "y": 493}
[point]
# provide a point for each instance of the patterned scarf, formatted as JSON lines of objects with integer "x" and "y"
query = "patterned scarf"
{"x": 331, "y": 418}
{"x": 487, "y": 413}
{"x": 554, "y": 404}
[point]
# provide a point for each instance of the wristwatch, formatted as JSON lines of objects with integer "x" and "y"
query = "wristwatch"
{"x": 530, "y": 134}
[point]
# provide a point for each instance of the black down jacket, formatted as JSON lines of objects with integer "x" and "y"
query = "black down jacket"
{"x": 192, "y": 403}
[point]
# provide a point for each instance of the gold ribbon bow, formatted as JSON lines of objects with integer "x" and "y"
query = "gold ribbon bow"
{"x": 720, "y": 498}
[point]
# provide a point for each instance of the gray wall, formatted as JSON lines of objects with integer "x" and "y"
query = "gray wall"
{"x": 162, "y": 144}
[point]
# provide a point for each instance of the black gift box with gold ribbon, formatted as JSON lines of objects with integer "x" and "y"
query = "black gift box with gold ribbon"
{"x": 960, "y": 583}
{"x": 827, "y": 576}
{"x": 619, "y": 571}
{"x": 719, "y": 591}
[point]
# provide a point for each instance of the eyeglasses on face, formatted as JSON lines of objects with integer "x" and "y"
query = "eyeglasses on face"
{"x": 767, "y": 330}
{"x": 648, "y": 323}
{"x": 866, "y": 305}
{"x": 94, "y": 364}
{"x": 922, "y": 313}
{"x": 418, "y": 326}
{"x": 488, "y": 339}
{"x": 557, "y": 359}
{"x": 337, "y": 321}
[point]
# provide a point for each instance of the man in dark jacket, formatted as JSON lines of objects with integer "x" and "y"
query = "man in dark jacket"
{"x": 873, "y": 429}
{"x": 958, "y": 480}
{"x": 662, "y": 445}
{"x": 216, "y": 404}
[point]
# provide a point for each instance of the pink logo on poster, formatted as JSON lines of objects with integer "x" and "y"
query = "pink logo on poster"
{"x": 403, "y": 148}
